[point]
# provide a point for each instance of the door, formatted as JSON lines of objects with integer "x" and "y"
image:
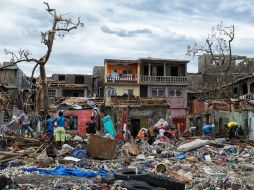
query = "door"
{"x": 135, "y": 127}
{"x": 143, "y": 91}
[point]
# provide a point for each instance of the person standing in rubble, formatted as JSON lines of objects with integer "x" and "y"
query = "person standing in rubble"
{"x": 25, "y": 124}
{"x": 49, "y": 127}
{"x": 60, "y": 131}
{"x": 233, "y": 126}
{"x": 91, "y": 128}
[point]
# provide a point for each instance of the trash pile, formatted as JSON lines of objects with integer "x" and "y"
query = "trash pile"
{"x": 158, "y": 158}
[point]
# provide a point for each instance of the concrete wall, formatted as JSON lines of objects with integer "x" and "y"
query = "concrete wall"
{"x": 98, "y": 81}
{"x": 207, "y": 65}
{"x": 70, "y": 79}
{"x": 151, "y": 113}
{"x": 119, "y": 89}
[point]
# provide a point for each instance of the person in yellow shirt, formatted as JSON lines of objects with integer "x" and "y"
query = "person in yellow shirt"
{"x": 233, "y": 126}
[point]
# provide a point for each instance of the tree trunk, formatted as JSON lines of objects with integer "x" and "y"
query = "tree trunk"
{"x": 45, "y": 98}
{"x": 38, "y": 101}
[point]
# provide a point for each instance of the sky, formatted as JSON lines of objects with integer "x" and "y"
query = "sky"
{"x": 121, "y": 29}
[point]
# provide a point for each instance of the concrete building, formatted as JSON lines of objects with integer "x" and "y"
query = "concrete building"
{"x": 69, "y": 85}
{"x": 149, "y": 77}
{"x": 98, "y": 81}
{"x": 121, "y": 78}
{"x": 210, "y": 79}
{"x": 12, "y": 80}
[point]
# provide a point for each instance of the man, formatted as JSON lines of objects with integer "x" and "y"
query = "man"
{"x": 91, "y": 128}
{"x": 49, "y": 127}
{"x": 233, "y": 126}
{"x": 208, "y": 129}
{"x": 25, "y": 124}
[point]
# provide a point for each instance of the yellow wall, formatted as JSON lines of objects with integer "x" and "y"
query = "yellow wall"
{"x": 120, "y": 88}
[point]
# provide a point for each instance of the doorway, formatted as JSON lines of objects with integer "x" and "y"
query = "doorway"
{"x": 135, "y": 127}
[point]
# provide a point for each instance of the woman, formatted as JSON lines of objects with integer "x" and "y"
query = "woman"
{"x": 60, "y": 131}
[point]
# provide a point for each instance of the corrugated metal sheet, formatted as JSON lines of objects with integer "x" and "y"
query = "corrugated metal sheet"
{"x": 197, "y": 106}
{"x": 251, "y": 125}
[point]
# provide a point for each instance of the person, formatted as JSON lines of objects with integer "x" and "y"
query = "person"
{"x": 51, "y": 149}
{"x": 193, "y": 130}
{"x": 60, "y": 131}
{"x": 152, "y": 135}
{"x": 233, "y": 126}
{"x": 91, "y": 128}
{"x": 25, "y": 124}
{"x": 141, "y": 134}
{"x": 49, "y": 127}
{"x": 208, "y": 129}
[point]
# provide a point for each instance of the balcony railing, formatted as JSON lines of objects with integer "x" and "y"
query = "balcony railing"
{"x": 164, "y": 79}
{"x": 122, "y": 78}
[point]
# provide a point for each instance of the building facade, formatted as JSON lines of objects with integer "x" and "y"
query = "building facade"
{"x": 69, "y": 85}
{"x": 12, "y": 81}
{"x": 149, "y": 77}
{"x": 121, "y": 78}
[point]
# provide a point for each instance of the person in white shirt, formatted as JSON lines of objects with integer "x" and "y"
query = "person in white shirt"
{"x": 25, "y": 124}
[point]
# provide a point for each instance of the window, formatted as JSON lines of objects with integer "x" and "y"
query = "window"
{"x": 146, "y": 70}
{"x": 174, "y": 70}
{"x": 160, "y": 70}
{"x": 79, "y": 79}
{"x": 128, "y": 92}
{"x": 111, "y": 92}
{"x": 235, "y": 90}
{"x": 175, "y": 93}
{"x": 73, "y": 125}
{"x": 158, "y": 92}
{"x": 61, "y": 77}
{"x": 51, "y": 93}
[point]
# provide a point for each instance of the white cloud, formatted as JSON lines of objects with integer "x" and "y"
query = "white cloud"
{"x": 157, "y": 28}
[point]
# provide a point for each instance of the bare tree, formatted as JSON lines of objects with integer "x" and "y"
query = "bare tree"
{"x": 218, "y": 45}
{"x": 60, "y": 24}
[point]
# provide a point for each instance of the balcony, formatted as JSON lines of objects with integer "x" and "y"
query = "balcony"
{"x": 166, "y": 80}
{"x": 122, "y": 78}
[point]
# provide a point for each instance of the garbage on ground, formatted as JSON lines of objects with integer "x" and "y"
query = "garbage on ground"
{"x": 155, "y": 158}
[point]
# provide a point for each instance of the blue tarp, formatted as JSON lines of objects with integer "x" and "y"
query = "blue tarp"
{"x": 61, "y": 170}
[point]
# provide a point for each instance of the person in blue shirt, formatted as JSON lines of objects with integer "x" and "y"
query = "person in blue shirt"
{"x": 208, "y": 129}
{"x": 49, "y": 127}
{"x": 60, "y": 133}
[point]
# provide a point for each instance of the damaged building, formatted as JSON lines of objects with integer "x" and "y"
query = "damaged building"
{"x": 69, "y": 85}
{"x": 98, "y": 81}
{"x": 149, "y": 78}
{"x": 12, "y": 82}
{"x": 211, "y": 83}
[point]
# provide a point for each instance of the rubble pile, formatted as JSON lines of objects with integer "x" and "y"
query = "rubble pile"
{"x": 158, "y": 158}
{"x": 210, "y": 166}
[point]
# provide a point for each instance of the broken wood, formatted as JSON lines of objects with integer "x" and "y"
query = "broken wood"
{"x": 14, "y": 138}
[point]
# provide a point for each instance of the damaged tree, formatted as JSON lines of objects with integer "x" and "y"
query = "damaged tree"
{"x": 59, "y": 25}
{"x": 218, "y": 45}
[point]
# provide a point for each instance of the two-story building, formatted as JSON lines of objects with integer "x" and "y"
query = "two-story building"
{"x": 69, "y": 85}
{"x": 122, "y": 77}
{"x": 150, "y": 77}
{"x": 166, "y": 78}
